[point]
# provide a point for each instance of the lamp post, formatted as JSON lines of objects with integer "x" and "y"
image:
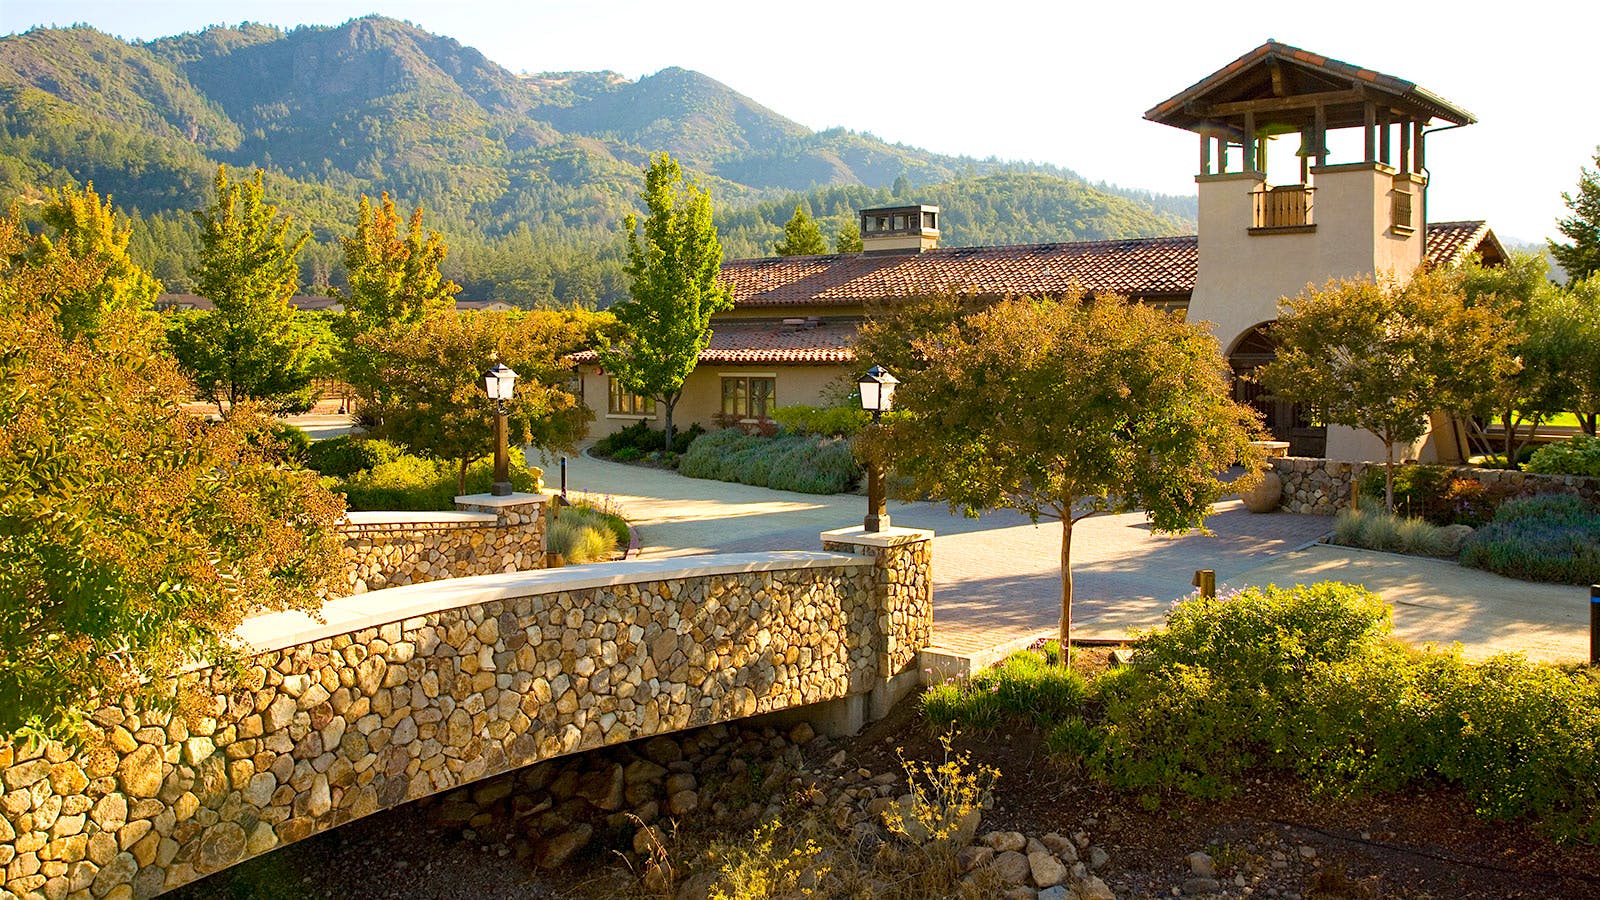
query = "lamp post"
{"x": 877, "y": 396}
{"x": 500, "y": 383}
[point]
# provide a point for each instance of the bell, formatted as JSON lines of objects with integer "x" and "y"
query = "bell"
{"x": 1309, "y": 146}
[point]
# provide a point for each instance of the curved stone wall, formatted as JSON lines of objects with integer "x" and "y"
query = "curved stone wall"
{"x": 409, "y": 691}
{"x": 1322, "y": 487}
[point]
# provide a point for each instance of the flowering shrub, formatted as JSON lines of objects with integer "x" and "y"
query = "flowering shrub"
{"x": 1552, "y": 537}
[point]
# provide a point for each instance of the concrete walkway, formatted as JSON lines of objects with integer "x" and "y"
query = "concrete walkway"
{"x": 996, "y": 579}
{"x": 1442, "y": 602}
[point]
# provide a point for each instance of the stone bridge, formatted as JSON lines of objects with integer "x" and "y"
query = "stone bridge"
{"x": 408, "y": 691}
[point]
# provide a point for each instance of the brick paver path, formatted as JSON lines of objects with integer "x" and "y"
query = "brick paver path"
{"x": 995, "y": 578}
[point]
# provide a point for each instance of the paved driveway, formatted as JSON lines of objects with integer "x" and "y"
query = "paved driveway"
{"x": 995, "y": 578}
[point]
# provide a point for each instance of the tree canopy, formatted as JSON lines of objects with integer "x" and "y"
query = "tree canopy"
{"x": 1382, "y": 357}
{"x": 1580, "y": 254}
{"x": 674, "y": 260}
{"x": 83, "y": 227}
{"x": 133, "y": 536}
{"x": 801, "y": 236}
{"x": 434, "y": 401}
{"x": 849, "y": 238}
{"x": 250, "y": 346}
{"x": 1059, "y": 409}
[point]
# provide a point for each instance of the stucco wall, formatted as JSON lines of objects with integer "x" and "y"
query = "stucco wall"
{"x": 483, "y": 536}
{"x": 702, "y": 392}
{"x": 1322, "y": 486}
{"x": 405, "y": 692}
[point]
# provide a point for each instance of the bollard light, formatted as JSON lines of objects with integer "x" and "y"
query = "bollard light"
{"x": 500, "y": 383}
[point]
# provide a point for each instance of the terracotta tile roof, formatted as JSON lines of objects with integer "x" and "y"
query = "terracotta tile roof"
{"x": 1142, "y": 267}
{"x": 1450, "y": 242}
{"x": 772, "y": 342}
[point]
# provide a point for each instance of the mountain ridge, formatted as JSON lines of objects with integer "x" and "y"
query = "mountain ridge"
{"x": 379, "y": 104}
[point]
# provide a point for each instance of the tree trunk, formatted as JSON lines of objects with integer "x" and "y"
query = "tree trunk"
{"x": 1587, "y": 424}
{"x": 461, "y": 476}
{"x": 670, "y": 402}
{"x": 1388, "y": 476}
{"x": 1510, "y": 443}
{"x": 1066, "y": 585}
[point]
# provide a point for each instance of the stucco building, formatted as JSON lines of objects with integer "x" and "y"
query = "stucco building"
{"x": 788, "y": 336}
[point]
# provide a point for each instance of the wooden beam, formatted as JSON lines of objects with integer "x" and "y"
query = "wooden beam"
{"x": 1369, "y": 129}
{"x": 1383, "y": 135}
{"x": 1280, "y": 104}
{"x": 1405, "y": 145}
{"x": 1276, "y": 68}
{"x": 1319, "y": 133}
{"x": 1248, "y": 145}
{"x": 1422, "y": 159}
{"x": 1205, "y": 153}
{"x": 1222, "y": 154}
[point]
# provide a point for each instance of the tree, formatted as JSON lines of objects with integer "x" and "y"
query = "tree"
{"x": 674, "y": 262}
{"x": 1573, "y": 319}
{"x": 134, "y": 537}
{"x": 901, "y": 188}
{"x": 249, "y": 347}
{"x": 849, "y": 238}
{"x": 87, "y": 228}
{"x": 434, "y": 402}
{"x": 394, "y": 279}
{"x": 1581, "y": 257}
{"x": 801, "y": 236}
{"x": 1382, "y": 358}
{"x": 1539, "y": 386}
{"x": 1061, "y": 409}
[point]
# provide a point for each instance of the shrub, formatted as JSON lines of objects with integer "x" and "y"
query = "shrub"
{"x": 292, "y": 441}
{"x": 1579, "y": 456}
{"x": 416, "y": 484}
{"x": 344, "y": 456}
{"x": 1381, "y": 531}
{"x": 808, "y": 465}
{"x": 1025, "y": 687}
{"x": 582, "y": 535}
{"x": 639, "y": 440}
{"x": 821, "y": 421}
{"x": 1432, "y": 493}
{"x": 606, "y": 512}
{"x": 1550, "y": 537}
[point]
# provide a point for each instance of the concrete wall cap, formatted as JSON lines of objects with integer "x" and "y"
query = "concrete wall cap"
{"x": 430, "y": 517}
{"x": 508, "y": 500}
{"x": 889, "y": 537}
{"x": 275, "y": 631}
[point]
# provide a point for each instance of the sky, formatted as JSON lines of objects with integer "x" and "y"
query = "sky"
{"x": 1056, "y": 82}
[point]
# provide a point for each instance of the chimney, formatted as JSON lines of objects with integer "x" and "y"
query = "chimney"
{"x": 908, "y": 229}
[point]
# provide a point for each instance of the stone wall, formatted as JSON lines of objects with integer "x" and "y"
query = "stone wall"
{"x": 1322, "y": 486}
{"x": 410, "y": 691}
{"x": 484, "y": 536}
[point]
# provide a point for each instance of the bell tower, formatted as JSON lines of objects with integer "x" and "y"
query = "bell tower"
{"x": 1364, "y": 215}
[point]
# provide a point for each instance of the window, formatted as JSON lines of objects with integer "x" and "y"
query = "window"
{"x": 1402, "y": 213}
{"x": 929, "y": 220}
{"x": 749, "y": 396}
{"x": 622, "y": 403}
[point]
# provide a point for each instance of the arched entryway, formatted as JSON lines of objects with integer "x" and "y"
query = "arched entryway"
{"x": 1286, "y": 421}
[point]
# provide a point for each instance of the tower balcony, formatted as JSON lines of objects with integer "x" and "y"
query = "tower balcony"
{"x": 1286, "y": 207}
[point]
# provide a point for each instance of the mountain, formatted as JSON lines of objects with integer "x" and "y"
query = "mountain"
{"x": 528, "y": 176}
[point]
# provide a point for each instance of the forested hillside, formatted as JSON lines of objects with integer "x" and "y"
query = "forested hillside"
{"x": 528, "y": 176}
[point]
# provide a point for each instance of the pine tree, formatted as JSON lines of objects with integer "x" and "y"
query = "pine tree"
{"x": 849, "y": 238}
{"x": 250, "y": 347}
{"x": 801, "y": 236}
{"x": 674, "y": 261}
{"x": 1581, "y": 258}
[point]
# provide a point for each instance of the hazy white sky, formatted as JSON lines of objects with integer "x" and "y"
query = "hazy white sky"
{"x": 1059, "y": 82}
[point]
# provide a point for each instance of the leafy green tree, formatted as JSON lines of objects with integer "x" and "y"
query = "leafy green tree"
{"x": 434, "y": 402}
{"x": 134, "y": 537}
{"x": 394, "y": 279}
{"x": 901, "y": 188}
{"x": 87, "y": 228}
{"x": 1581, "y": 257}
{"x": 1382, "y": 358}
{"x": 250, "y": 346}
{"x": 1539, "y": 386}
{"x": 801, "y": 236}
{"x": 849, "y": 238}
{"x": 673, "y": 265}
{"x": 1062, "y": 409}
{"x": 1572, "y": 318}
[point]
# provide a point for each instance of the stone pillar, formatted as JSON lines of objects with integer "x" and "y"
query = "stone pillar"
{"x": 519, "y": 528}
{"x": 904, "y": 598}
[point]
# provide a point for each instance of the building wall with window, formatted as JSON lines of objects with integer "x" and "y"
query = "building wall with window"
{"x": 717, "y": 394}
